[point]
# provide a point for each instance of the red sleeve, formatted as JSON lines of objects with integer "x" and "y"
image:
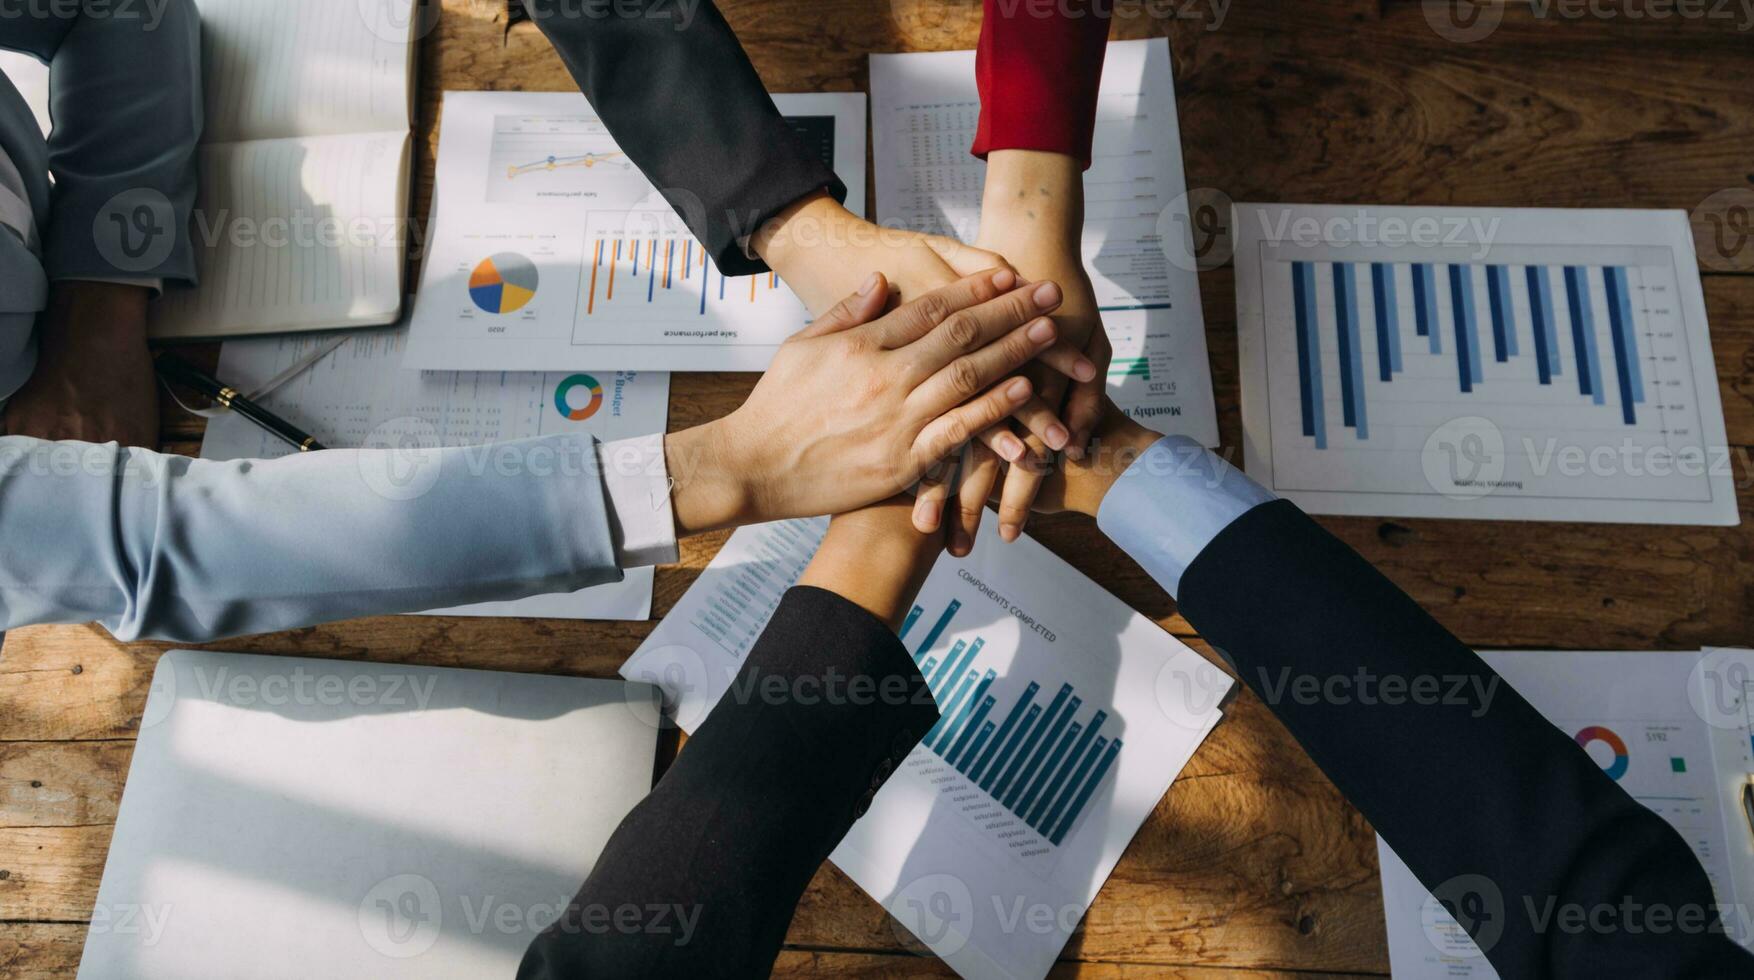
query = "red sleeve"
{"x": 1038, "y": 67}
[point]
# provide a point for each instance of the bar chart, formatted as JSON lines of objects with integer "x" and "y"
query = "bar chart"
{"x": 1040, "y": 763}
{"x": 667, "y": 274}
{"x": 1559, "y": 367}
{"x": 1517, "y": 299}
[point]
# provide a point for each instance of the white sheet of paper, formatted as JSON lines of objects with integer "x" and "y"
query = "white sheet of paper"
{"x": 1638, "y": 715}
{"x": 1576, "y": 382}
{"x": 924, "y": 111}
{"x": 555, "y": 251}
{"x": 1021, "y": 801}
{"x": 360, "y": 389}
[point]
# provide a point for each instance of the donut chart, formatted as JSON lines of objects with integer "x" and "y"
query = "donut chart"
{"x": 1597, "y": 733}
{"x": 503, "y": 283}
{"x": 563, "y": 403}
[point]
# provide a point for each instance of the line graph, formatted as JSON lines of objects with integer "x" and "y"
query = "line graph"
{"x": 559, "y": 163}
{"x": 537, "y": 159}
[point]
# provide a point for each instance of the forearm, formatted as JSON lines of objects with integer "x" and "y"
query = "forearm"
{"x": 875, "y": 559}
{"x": 167, "y": 547}
{"x": 681, "y": 98}
{"x": 1033, "y": 205}
{"x": 126, "y": 96}
{"x": 825, "y": 707}
{"x": 1468, "y": 783}
{"x": 87, "y": 318}
{"x": 1039, "y": 73}
{"x": 1294, "y": 610}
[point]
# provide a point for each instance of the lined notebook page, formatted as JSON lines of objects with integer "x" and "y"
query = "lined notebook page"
{"x": 295, "y": 233}
{"x": 284, "y": 68}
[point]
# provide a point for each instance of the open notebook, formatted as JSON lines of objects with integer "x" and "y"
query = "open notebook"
{"x": 305, "y": 167}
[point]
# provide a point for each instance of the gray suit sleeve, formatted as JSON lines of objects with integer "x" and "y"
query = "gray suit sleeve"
{"x": 168, "y": 547}
{"x": 125, "y": 97}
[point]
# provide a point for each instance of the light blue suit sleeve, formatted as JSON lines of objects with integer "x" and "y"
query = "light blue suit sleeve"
{"x": 168, "y": 547}
{"x": 125, "y": 96}
{"x": 1171, "y": 502}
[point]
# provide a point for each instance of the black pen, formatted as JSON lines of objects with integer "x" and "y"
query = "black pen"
{"x": 176, "y": 369}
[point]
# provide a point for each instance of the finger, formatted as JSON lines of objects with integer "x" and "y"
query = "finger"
{"x": 1083, "y": 411}
{"x": 941, "y": 436}
{"x": 861, "y": 307}
{"x": 930, "y": 495}
{"x": 919, "y": 317}
{"x": 1069, "y": 361}
{"x": 971, "y": 329}
{"x": 968, "y": 376}
{"x": 980, "y": 474}
{"x": 965, "y": 259}
{"x": 1022, "y": 482}
{"x": 1084, "y": 406}
{"x": 1002, "y": 443}
{"x": 1043, "y": 423}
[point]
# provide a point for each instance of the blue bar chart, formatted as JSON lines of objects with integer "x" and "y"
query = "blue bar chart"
{"x": 1544, "y": 371}
{"x": 1038, "y": 755}
{"x": 1586, "y": 290}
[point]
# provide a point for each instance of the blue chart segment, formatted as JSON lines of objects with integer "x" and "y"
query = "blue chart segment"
{"x": 1517, "y": 319}
{"x": 1034, "y": 755}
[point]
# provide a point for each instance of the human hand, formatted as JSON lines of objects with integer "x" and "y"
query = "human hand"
{"x": 94, "y": 380}
{"x": 823, "y": 252}
{"x": 852, "y": 412}
{"x": 1079, "y": 485}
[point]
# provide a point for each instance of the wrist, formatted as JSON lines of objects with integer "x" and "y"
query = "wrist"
{"x": 785, "y": 239}
{"x": 875, "y": 559}
{"x": 94, "y": 315}
{"x": 1115, "y": 447}
{"x": 708, "y": 491}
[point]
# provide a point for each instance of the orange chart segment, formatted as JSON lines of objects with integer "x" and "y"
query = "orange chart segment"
{"x": 503, "y": 283}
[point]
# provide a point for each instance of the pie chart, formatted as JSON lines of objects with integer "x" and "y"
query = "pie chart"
{"x": 503, "y": 283}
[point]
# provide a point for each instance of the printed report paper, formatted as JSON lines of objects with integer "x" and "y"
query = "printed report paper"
{"x": 1525, "y": 364}
{"x": 1065, "y": 718}
{"x": 358, "y": 392}
{"x": 554, "y": 252}
{"x": 924, "y": 111}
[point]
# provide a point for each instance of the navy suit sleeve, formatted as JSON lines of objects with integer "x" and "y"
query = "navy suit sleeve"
{"x": 827, "y": 704}
{"x": 1491, "y": 807}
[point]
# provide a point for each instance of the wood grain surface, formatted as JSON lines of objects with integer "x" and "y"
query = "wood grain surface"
{"x": 1253, "y": 866}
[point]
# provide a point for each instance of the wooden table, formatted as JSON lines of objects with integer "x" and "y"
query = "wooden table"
{"x": 1253, "y": 864}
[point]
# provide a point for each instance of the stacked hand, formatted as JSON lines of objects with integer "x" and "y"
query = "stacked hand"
{"x": 1033, "y": 209}
{"x": 823, "y": 250}
{"x": 857, "y": 407}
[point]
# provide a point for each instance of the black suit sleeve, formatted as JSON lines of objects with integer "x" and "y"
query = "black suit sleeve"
{"x": 1494, "y": 809}
{"x": 826, "y": 706}
{"x": 677, "y": 91}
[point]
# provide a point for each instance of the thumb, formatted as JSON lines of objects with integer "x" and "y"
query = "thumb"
{"x": 861, "y": 307}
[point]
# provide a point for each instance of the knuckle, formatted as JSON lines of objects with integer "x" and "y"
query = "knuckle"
{"x": 956, "y": 432}
{"x": 1019, "y": 348}
{"x": 962, "y": 331}
{"x": 965, "y": 380}
{"x": 934, "y": 307}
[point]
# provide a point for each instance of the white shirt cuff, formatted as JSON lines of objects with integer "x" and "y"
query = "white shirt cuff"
{"x": 636, "y": 487}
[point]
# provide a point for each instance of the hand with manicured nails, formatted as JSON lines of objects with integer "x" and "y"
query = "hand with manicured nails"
{"x": 860, "y": 405}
